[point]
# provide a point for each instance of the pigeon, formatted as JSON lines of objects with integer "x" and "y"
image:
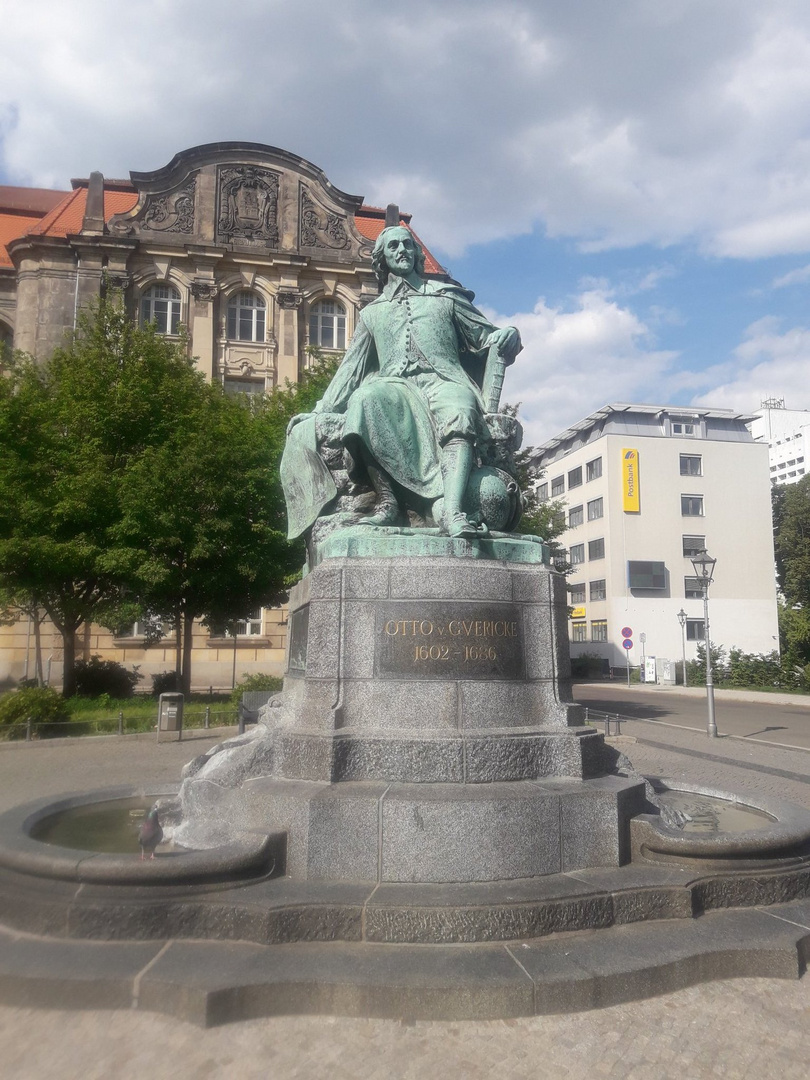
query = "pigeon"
{"x": 150, "y": 834}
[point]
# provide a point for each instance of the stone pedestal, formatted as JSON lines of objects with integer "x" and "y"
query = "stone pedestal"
{"x": 426, "y": 731}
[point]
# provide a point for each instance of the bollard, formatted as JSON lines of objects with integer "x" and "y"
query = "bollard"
{"x": 28, "y": 723}
{"x": 207, "y": 721}
{"x": 618, "y": 724}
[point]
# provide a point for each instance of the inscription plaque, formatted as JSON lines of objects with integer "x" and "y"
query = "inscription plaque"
{"x": 440, "y": 640}
{"x": 299, "y": 635}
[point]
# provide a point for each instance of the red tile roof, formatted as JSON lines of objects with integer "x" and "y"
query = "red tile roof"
{"x": 29, "y": 200}
{"x": 20, "y": 210}
{"x": 12, "y": 226}
{"x": 66, "y": 218}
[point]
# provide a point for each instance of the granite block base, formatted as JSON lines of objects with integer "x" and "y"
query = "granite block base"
{"x": 443, "y": 832}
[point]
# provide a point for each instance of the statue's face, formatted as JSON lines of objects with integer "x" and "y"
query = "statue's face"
{"x": 400, "y": 252}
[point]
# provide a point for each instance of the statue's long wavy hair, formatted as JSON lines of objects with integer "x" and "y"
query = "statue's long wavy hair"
{"x": 378, "y": 263}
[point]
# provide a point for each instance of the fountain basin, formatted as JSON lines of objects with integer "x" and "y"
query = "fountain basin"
{"x": 767, "y": 830}
{"x": 252, "y": 856}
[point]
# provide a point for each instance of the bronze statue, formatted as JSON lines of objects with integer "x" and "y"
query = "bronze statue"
{"x": 405, "y": 406}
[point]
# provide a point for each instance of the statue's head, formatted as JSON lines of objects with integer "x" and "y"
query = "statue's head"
{"x": 391, "y": 254}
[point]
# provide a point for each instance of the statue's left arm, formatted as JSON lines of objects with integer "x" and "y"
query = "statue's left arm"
{"x": 476, "y": 331}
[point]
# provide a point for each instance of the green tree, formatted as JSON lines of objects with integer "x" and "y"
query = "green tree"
{"x": 541, "y": 517}
{"x": 791, "y": 523}
{"x": 791, "y": 517}
{"x": 13, "y": 608}
{"x": 203, "y": 514}
{"x": 69, "y": 431}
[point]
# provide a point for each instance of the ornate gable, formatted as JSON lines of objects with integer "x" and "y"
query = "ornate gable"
{"x": 244, "y": 196}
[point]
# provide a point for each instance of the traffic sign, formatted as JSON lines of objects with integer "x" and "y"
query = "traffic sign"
{"x": 627, "y": 643}
{"x": 627, "y": 631}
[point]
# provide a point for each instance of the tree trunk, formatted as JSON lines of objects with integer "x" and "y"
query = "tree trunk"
{"x": 69, "y": 661}
{"x": 38, "y": 647}
{"x": 185, "y": 680}
{"x": 178, "y": 646}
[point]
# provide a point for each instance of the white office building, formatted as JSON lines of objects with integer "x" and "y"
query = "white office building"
{"x": 645, "y": 487}
{"x": 787, "y": 434}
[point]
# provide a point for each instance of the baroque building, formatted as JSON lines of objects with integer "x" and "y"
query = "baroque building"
{"x": 253, "y": 251}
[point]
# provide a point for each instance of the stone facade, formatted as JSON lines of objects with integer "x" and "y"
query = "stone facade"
{"x": 251, "y": 249}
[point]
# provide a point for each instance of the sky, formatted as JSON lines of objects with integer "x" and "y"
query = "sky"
{"x": 627, "y": 182}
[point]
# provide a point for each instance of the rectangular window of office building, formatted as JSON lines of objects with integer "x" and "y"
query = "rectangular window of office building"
{"x": 695, "y": 630}
{"x": 596, "y": 509}
{"x": 692, "y": 588}
{"x": 692, "y": 505}
{"x": 693, "y": 545}
{"x": 599, "y": 630}
{"x": 691, "y": 465}
{"x": 596, "y": 548}
{"x": 577, "y": 554}
{"x": 575, "y": 517}
{"x": 542, "y": 492}
{"x": 598, "y": 590}
{"x": 576, "y": 593}
{"x": 557, "y": 486}
{"x": 579, "y": 631}
{"x": 575, "y": 477}
{"x": 593, "y": 469}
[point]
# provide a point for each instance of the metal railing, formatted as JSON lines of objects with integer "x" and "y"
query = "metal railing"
{"x": 194, "y": 718}
{"x": 608, "y": 719}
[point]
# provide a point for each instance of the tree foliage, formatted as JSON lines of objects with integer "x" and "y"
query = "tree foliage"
{"x": 69, "y": 431}
{"x": 130, "y": 486}
{"x": 541, "y": 517}
{"x": 791, "y": 519}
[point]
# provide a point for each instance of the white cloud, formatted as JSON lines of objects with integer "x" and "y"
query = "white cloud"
{"x": 793, "y": 277}
{"x": 577, "y": 360}
{"x": 615, "y": 124}
{"x": 768, "y": 362}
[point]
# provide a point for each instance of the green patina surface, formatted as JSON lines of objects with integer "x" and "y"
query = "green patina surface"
{"x": 413, "y": 414}
{"x": 363, "y": 543}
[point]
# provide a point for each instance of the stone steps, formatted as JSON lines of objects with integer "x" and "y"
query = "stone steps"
{"x": 218, "y": 982}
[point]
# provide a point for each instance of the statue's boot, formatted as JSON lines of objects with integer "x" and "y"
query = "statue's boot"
{"x": 457, "y": 461}
{"x": 386, "y": 510}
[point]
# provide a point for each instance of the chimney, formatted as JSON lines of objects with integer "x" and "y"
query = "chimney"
{"x": 94, "y": 207}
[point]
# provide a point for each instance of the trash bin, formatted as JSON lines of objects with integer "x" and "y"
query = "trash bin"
{"x": 170, "y": 714}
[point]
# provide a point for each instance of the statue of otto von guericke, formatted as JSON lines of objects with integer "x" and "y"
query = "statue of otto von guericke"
{"x": 408, "y": 434}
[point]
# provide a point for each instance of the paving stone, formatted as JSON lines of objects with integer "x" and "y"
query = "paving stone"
{"x": 227, "y": 982}
{"x": 52, "y": 974}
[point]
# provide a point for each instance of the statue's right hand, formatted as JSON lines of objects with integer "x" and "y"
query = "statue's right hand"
{"x": 297, "y": 420}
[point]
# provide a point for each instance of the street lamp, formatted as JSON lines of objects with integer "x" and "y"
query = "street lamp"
{"x": 704, "y": 566}
{"x": 682, "y": 616}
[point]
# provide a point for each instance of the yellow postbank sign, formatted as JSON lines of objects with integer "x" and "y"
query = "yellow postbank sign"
{"x": 631, "y": 487}
{"x": 578, "y": 613}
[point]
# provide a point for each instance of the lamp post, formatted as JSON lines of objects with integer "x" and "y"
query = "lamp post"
{"x": 682, "y": 620}
{"x": 704, "y": 566}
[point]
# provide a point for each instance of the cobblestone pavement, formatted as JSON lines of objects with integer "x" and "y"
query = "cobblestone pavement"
{"x": 745, "y": 1028}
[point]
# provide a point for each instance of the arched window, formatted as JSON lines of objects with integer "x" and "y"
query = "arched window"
{"x": 246, "y": 317}
{"x": 327, "y": 325}
{"x": 160, "y": 304}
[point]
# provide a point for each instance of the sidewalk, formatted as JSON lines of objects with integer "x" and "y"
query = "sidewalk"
{"x": 759, "y": 696}
{"x": 748, "y": 1028}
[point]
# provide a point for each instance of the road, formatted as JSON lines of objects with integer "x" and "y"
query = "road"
{"x": 765, "y": 719}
